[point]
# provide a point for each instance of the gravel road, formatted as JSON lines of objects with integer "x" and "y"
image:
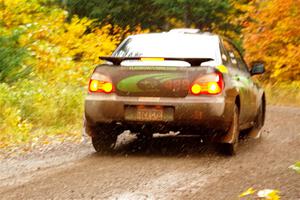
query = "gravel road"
{"x": 173, "y": 168}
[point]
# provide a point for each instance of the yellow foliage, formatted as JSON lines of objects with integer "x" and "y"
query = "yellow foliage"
{"x": 268, "y": 194}
{"x": 296, "y": 167}
{"x": 273, "y": 36}
{"x": 13, "y": 123}
{"x": 62, "y": 52}
{"x": 247, "y": 192}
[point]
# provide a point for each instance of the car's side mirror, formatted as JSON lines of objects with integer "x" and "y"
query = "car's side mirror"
{"x": 257, "y": 67}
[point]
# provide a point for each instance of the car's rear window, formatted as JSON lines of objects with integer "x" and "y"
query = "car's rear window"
{"x": 169, "y": 45}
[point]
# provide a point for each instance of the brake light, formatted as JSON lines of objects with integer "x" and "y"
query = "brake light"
{"x": 100, "y": 86}
{"x": 152, "y": 59}
{"x": 208, "y": 84}
{"x": 213, "y": 88}
{"x": 196, "y": 88}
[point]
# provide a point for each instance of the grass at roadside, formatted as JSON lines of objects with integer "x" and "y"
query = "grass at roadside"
{"x": 36, "y": 113}
{"x": 284, "y": 94}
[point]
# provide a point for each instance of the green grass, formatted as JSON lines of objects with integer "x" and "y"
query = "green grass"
{"x": 32, "y": 110}
{"x": 285, "y": 94}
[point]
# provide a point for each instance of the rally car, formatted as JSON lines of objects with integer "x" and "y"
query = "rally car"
{"x": 183, "y": 80}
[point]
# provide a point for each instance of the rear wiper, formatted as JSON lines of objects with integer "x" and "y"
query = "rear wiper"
{"x": 192, "y": 61}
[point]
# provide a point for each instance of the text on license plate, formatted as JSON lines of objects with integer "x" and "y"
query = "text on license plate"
{"x": 149, "y": 114}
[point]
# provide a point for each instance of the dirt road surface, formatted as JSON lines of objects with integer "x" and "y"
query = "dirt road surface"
{"x": 173, "y": 168}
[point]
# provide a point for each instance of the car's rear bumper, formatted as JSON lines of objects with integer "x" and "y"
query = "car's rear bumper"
{"x": 207, "y": 112}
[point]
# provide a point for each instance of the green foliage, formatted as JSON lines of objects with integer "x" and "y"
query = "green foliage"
{"x": 11, "y": 58}
{"x": 120, "y": 12}
{"x": 160, "y": 14}
{"x": 200, "y": 13}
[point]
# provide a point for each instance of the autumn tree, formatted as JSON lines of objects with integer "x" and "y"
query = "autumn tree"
{"x": 273, "y": 35}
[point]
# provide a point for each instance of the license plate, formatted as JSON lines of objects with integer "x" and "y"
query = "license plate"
{"x": 149, "y": 114}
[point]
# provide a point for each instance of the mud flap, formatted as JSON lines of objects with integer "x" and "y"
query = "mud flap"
{"x": 227, "y": 138}
{"x": 255, "y": 133}
{"x": 233, "y": 133}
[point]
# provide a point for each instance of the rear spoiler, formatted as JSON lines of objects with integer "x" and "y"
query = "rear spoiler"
{"x": 118, "y": 60}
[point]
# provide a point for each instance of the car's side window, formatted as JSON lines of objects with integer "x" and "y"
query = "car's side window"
{"x": 242, "y": 65}
{"x": 224, "y": 55}
{"x": 235, "y": 56}
{"x": 231, "y": 55}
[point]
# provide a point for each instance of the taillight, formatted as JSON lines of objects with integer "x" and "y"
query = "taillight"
{"x": 196, "y": 88}
{"x": 208, "y": 84}
{"x": 100, "y": 86}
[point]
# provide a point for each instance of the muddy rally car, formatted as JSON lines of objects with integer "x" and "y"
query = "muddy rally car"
{"x": 183, "y": 81}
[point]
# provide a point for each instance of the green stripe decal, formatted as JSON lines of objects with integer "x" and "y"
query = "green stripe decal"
{"x": 130, "y": 84}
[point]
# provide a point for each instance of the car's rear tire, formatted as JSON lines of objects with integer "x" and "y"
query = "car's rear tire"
{"x": 230, "y": 148}
{"x": 255, "y": 132}
{"x": 104, "y": 138}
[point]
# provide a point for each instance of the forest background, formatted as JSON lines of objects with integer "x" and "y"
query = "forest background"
{"x": 48, "y": 49}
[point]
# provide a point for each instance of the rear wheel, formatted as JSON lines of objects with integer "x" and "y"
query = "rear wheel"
{"x": 255, "y": 131}
{"x": 104, "y": 138}
{"x": 230, "y": 148}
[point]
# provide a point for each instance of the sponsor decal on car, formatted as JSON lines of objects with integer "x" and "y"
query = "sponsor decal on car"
{"x": 147, "y": 82}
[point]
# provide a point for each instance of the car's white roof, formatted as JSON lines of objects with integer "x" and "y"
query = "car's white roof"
{"x": 176, "y": 35}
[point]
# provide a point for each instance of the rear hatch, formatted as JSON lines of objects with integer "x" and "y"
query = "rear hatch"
{"x": 155, "y": 81}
